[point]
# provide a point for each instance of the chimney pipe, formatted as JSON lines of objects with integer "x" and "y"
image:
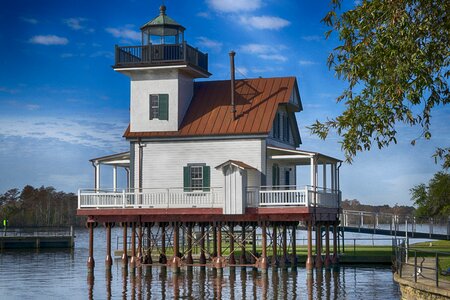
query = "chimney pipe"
{"x": 232, "y": 70}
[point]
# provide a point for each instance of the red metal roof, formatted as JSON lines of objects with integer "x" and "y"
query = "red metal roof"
{"x": 209, "y": 113}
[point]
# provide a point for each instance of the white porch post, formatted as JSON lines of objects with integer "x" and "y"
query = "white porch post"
{"x": 114, "y": 178}
{"x": 128, "y": 178}
{"x": 312, "y": 171}
{"x": 97, "y": 175}
{"x": 333, "y": 177}
{"x": 324, "y": 176}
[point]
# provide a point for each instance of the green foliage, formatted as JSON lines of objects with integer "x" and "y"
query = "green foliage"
{"x": 42, "y": 206}
{"x": 433, "y": 200}
{"x": 394, "y": 56}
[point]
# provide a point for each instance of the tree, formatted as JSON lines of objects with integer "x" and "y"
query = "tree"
{"x": 433, "y": 200}
{"x": 394, "y": 55}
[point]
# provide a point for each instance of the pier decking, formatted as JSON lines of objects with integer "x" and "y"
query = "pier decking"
{"x": 36, "y": 238}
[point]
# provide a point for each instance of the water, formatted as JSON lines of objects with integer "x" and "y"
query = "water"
{"x": 62, "y": 274}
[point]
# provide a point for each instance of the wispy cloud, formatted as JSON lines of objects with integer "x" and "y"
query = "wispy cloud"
{"x": 29, "y": 20}
{"x": 234, "y": 6}
{"x": 32, "y": 106}
{"x": 8, "y": 90}
{"x": 265, "y": 51}
{"x": 313, "y": 38}
{"x": 208, "y": 43}
{"x": 306, "y": 62}
{"x": 264, "y": 22}
{"x": 125, "y": 32}
{"x": 102, "y": 134}
{"x": 204, "y": 14}
{"x": 48, "y": 40}
{"x": 77, "y": 24}
{"x": 106, "y": 54}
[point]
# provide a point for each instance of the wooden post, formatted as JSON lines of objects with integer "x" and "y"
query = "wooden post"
{"x": 263, "y": 259}
{"x": 242, "y": 258}
{"x": 133, "y": 246}
{"x": 176, "y": 246}
{"x": 327, "y": 246}
{"x": 309, "y": 259}
{"x": 232, "y": 259}
{"x": 125, "y": 246}
{"x": 202, "y": 244}
{"x": 108, "y": 259}
{"x": 189, "y": 259}
{"x": 284, "y": 260}
{"x": 139, "y": 248}
{"x": 163, "y": 257}
{"x": 319, "y": 262}
{"x": 335, "y": 259}
{"x": 214, "y": 240}
{"x": 274, "y": 244}
{"x": 294, "y": 245}
{"x": 218, "y": 259}
{"x": 254, "y": 244}
{"x": 90, "y": 261}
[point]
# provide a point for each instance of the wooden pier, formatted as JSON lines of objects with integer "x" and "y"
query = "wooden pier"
{"x": 37, "y": 238}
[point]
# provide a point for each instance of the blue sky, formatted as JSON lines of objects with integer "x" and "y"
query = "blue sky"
{"x": 62, "y": 104}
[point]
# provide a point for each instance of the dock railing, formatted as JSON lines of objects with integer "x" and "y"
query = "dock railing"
{"x": 420, "y": 265}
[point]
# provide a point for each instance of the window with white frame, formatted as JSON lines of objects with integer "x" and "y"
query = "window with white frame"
{"x": 159, "y": 106}
{"x": 196, "y": 177}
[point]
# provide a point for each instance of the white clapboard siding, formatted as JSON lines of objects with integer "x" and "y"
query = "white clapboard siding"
{"x": 163, "y": 162}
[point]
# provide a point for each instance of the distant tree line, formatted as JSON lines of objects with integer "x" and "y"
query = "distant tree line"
{"x": 39, "y": 207}
{"x": 395, "y": 210}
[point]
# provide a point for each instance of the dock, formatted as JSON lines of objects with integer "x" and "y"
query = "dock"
{"x": 37, "y": 238}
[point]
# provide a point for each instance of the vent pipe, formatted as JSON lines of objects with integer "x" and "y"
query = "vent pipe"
{"x": 232, "y": 70}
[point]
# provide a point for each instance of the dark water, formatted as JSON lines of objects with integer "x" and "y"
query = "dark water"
{"x": 63, "y": 275}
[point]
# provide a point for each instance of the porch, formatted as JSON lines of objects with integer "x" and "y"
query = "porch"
{"x": 263, "y": 196}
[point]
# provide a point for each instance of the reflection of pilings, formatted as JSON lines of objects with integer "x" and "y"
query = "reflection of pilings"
{"x": 90, "y": 261}
{"x": 90, "y": 281}
{"x": 274, "y": 244}
{"x": 202, "y": 244}
{"x": 108, "y": 279}
{"x": 124, "y": 282}
{"x": 125, "y": 242}
{"x": 327, "y": 246}
{"x": 218, "y": 259}
{"x": 310, "y": 285}
{"x": 232, "y": 259}
{"x": 242, "y": 258}
{"x": 108, "y": 259}
{"x": 309, "y": 259}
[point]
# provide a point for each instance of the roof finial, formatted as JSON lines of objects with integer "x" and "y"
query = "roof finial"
{"x": 162, "y": 9}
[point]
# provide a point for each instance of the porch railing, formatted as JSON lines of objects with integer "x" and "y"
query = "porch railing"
{"x": 129, "y": 56}
{"x": 151, "y": 198}
{"x": 292, "y": 196}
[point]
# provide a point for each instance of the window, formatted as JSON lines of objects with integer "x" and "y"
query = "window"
{"x": 159, "y": 106}
{"x": 196, "y": 178}
{"x": 286, "y": 128}
{"x": 275, "y": 175}
{"x": 276, "y": 126}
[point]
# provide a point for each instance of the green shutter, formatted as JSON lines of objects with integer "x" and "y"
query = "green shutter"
{"x": 163, "y": 106}
{"x": 187, "y": 179}
{"x": 206, "y": 178}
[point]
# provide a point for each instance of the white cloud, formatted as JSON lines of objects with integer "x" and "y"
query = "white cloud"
{"x": 277, "y": 57}
{"x": 265, "y": 22}
{"x": 306, "y": 62}
{"x": 243, "y": 71}
{"x": 211, "y": 44}
{"x": 32, "y": 106}
{"x": 49, "y": 40}
{"x": 233, "y": 6}
{"x": 266, "y": 52}
{"x": 8, "y": 90}
{"x": 125, "y": 33}
{"x": 75, "y": 23}
{"x": 29, "y": 20}
{"x": 204, "y": 15}
{"x": 312, "y": 38}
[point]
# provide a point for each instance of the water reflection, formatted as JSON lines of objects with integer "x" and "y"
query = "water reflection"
{"x": 230, "y": 283}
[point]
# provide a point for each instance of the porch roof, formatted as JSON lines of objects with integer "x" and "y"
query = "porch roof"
{"x": 236, "y": 163}
{"x": 119, "y": 159}
{"x": 298, "y": 157}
